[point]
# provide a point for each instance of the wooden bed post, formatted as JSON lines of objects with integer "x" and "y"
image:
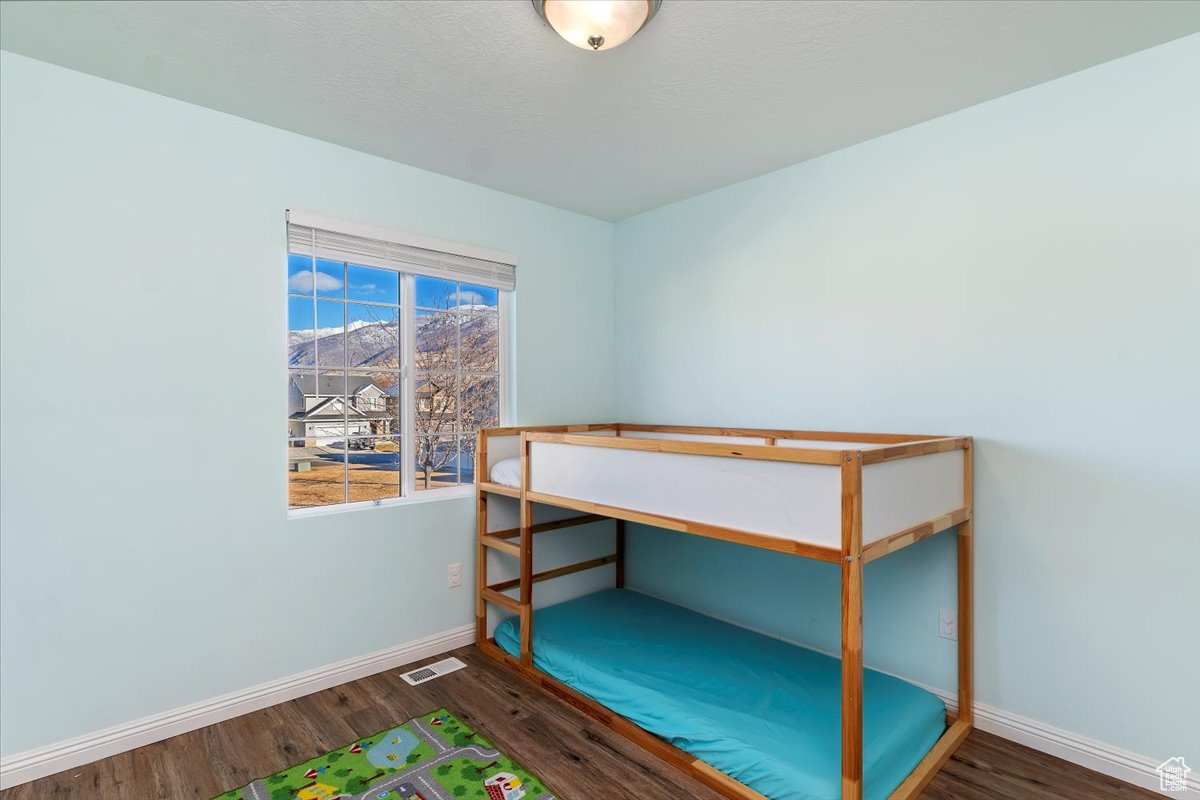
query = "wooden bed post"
{"x": 966, "y": 640}
{"x": 852, "y": 666}
{"x": 620, "y": 551}
{"x": 481, "y": 529}
{"x": 526, "y": 558}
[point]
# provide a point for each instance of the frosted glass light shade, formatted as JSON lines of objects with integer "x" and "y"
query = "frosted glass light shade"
{"x": 596, "y": 24}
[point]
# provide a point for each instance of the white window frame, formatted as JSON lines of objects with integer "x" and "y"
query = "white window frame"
{"x": 504, "y": 324}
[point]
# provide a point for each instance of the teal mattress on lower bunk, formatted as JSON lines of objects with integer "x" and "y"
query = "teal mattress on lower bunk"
{"x": 762, "y": 711}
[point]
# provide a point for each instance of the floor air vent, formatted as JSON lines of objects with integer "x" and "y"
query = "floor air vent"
{"x": 430, "y": 671}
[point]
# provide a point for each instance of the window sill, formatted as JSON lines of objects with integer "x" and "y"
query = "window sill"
{"x": 427, "y": 496}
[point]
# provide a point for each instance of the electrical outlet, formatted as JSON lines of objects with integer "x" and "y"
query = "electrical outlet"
{"x": 455, "y": 575}
{"x": 948, "y": 624}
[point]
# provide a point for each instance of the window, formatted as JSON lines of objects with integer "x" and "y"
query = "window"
{"x": 395, "y": 360}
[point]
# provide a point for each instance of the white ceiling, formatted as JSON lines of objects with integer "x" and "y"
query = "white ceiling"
{"x": 710, "y": 93}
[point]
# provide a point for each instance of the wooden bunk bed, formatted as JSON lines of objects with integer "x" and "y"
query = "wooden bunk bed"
{"x": 846, "y": 498}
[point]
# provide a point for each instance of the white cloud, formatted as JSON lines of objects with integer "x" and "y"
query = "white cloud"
{"x": 466, "y": 298}
{"x": 303, "y": 282}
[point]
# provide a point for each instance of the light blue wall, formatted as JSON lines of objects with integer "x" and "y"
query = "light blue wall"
{"x": 146, "y": 560}
{"x": 1026, "y": 271}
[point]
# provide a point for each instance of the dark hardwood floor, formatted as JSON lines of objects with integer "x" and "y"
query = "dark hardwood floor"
{"x": 576, "y": 756}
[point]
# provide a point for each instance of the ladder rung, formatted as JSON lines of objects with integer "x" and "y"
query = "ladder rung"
{"x": 500, "y": 488}
{"x": 542, "y": 527}
{"x": 492, "y": 596}
{"x": 557, "y": 572}
{"x": 503, "y": 545}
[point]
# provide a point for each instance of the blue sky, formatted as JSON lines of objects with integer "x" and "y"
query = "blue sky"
{"x": 437, "y": 293}
{"x": 335, "y": 280}
{"x": 329, "y": 313}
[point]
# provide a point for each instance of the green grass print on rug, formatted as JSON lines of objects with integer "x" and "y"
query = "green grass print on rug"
{"x": 432, "y": 757}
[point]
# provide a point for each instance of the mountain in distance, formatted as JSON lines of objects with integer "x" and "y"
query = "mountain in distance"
{"x": 300, "y": 337}
{"x": 376, "y": 344}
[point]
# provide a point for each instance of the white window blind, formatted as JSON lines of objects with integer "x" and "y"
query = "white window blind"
{"x": 369, "y": 251}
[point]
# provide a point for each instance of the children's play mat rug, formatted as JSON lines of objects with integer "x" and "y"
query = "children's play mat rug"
{"x": 432, "y": 757}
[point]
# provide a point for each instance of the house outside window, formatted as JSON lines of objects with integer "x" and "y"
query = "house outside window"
{"x": 396, "y": 357}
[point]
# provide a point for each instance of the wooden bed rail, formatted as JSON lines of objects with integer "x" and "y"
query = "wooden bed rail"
{"x": 769, "y": 451}
{"x": 777, "y": 433}
{"x": 517, "y": 429}
{"x": 912, "y": 449}
{"x": 882, "y": 446}
{"x": 852, "y": 554}
{"x": 902, "y": 539}
{"x": 760, "y": 452}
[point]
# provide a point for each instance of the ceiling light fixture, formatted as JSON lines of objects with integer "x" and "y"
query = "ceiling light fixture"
{"x": 597, "y": 24}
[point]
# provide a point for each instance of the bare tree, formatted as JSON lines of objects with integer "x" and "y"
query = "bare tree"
{"x": 458, "y": 387}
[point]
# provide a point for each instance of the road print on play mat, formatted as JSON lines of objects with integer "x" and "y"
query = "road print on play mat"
{"x": 432, "y": 757}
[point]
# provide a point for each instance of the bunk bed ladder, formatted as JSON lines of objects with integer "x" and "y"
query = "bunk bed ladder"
{"x": 502, "y": 541}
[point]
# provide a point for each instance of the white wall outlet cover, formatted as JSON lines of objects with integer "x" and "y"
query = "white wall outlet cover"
{"x": 455, "y": 575}
{"x": 947, "y": 624}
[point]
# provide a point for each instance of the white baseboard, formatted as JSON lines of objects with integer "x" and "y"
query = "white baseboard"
{"x": 43, "y": 761}
{"x": 1097, "y": 756}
